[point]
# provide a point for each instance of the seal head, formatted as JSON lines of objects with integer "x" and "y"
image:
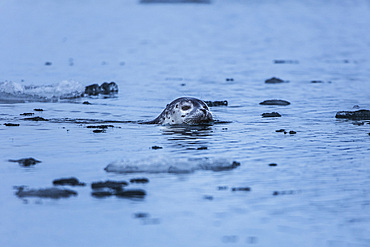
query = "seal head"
{"x": 184, "y": 110}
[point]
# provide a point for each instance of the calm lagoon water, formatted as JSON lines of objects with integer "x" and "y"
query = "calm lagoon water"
{"x": 156, "y": 53}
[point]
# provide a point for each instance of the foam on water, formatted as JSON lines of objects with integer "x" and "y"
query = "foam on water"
{"x": 13, "y": 92}
{"x": 161, "y": 164}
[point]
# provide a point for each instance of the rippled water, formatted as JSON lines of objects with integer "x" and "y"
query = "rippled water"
{"x": 317, "y": 195}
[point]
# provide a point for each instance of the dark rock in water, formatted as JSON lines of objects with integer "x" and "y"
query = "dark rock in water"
{"x": 314, "y": 81}
{"x": 86, "y": 103}
{"x": 280, "y": 61}
{"x": 216, "y": 103}
{"x": 222, "y": 187}
{"x": 141, "y": 215}
{"x": 105, "y": 88}
{"x": 99, "y": 131}
{"x": 156, "y": 147}
{"x": 11, "y": 124}
{"x": 292, "y": 132}
{"x": 274, "y": 80}
{"x": 208, "y": 197}
{"x": 27, "y": 114}
{"x": 93, "y": 89}
{"x": 241, "y": 189}
{"x": 99, "y": 126}
{"x": 275, "y": 102}
{"x": 101, "y": 194}
{"x": 272, "y": 114}
{"x": 48, "y": 63}
{"x": 280, "y": 130}
{"x": 131, "y": 193}
{"x": 68, "y": 181}
{"x": 108, "y": 88}
{"x": 115, "y": 185}
{"x": 26, "y": 161}
{"x": 202, "y": 148}
{"x": 229, "y": 79}
{"x": 354, "y": 115}
{"x": 139, "y": 180}
{"x": 35, "y": 119}
{"x": 356, "y": 107}
{"x": 38, "y": 109}
{"x": 285, "y": 192}
{"x": 273, "y": 164}
{"x": 53, "y": 193}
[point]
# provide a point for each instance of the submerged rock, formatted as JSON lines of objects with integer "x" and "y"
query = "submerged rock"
{"x": 10, "y": 124}
{"x": 105, "y": 88}
{"x": 272, "y": 114}
{"x": 241, "y": 189}
{"x": 280, "y": 130}
{"x": 68, "y": 181}
{"x": 139, "y": 180}
{"x": 101, "y": 194}
{"x": 27, "y": 114}
{"x": 35, "y": 119}
{"x": 216, "y": 103}
{"x": 274, "y": 80}
{"x": 53, "y": 193}
{"x": 275, "y": 102}
{"x": 156, "y": 147}
{"x": 354, "y": 115}
{"x": 131, "y": 193}
{"x": 115, "y": 185}
{"x": 26, "y": 161}
{"x": 38, "y": 109}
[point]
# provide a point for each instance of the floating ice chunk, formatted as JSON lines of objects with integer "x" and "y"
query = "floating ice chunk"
{"x": 168, "y": 165}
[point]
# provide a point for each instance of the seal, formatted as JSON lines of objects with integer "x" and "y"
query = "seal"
{"x": 184, "y": 110}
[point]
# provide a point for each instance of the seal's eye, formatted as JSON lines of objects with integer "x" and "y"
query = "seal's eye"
{"x": 185, "y": 107}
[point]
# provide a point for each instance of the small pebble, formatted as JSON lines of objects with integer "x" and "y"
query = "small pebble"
{"x": 273, "y": 164}
{"x": 229, "y": 79}
{"x": 48, "y": 63}
{"x": 38, "y": 109}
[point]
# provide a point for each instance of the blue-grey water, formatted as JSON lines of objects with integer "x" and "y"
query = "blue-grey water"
{"x": 159, "y": 52}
